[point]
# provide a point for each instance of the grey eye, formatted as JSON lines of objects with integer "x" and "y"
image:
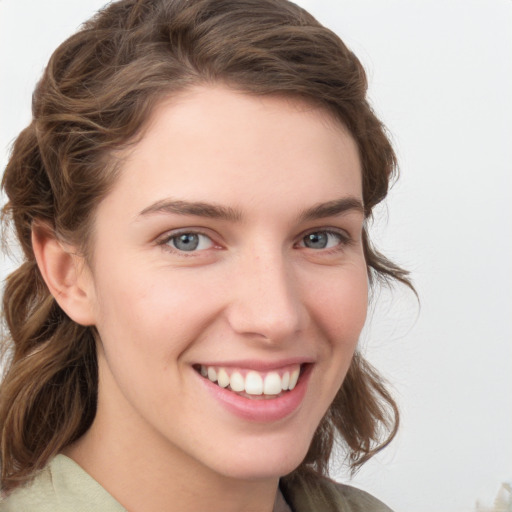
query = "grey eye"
{"x": 321, "y": 240}
{"x": 190, "y": 242}
{"x": 316, "y": 240}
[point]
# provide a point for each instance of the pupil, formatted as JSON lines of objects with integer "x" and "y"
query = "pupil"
{"x": 186, "y": 242}
{"x": 316, "y": 240}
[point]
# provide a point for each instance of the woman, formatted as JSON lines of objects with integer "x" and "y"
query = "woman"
{"x": 191, "y": 199}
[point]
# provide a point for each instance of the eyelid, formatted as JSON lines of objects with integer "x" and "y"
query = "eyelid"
{"x": 343, "y": 233}
{"x": 344, "y": 238}
{"x": 164, "y": 240}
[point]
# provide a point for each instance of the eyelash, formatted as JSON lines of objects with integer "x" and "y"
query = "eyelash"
{"x": 166, "y": 241}
{"x": 343, "y": 240}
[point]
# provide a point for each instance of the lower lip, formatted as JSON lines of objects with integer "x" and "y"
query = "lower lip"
{"x": 262, "y": 410}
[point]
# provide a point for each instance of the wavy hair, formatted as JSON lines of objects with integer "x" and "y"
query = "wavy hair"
{"x": 97, "y": 91}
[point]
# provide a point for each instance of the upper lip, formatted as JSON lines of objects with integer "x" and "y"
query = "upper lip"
{"x": 258, "y": 364}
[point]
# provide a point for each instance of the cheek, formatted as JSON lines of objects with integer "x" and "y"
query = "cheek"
{"x": 340, "y": 305}
{"x": 152, "y": 308}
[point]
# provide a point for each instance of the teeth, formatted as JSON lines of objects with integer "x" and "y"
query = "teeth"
{"x": 286, "y": 380}
{"x": 223, "y": 378}
{"x": 272, "y": 384}
{"x": 236, "y": 382}
{"x": 294, "y": 377}
{"x": 254, "y": 383}
{"x": 212, "y": 374}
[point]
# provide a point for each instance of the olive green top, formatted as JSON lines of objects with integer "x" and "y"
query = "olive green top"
{"x": 63, "y": 486}
{"x": 325, "y": 495}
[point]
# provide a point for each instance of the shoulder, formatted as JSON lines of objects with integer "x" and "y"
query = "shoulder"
{"x": 62, "y": 486}
{"x": 37, "y": 494}
{"x": 324, "y": 495}
{"x": 358, "y": 500}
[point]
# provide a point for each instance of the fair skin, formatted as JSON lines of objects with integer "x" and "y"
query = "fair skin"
{"x": 268, "y": 276}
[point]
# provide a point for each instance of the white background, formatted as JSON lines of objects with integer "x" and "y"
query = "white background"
{"x": 440, "y": 77}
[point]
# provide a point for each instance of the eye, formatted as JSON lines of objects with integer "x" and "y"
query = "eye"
{"x": 189, "y": 242}
{"x": 322, "y": 240}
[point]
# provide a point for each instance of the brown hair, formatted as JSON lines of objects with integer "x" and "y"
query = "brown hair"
{"x": 96, "y": 92}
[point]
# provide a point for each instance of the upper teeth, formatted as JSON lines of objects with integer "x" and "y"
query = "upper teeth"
{"x": 253, "y": 383}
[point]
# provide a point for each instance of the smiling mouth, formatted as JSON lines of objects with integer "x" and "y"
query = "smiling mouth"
{"x": 253, "y": 384}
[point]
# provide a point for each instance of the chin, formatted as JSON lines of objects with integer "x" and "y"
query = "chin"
{"x": 265, "y": 462}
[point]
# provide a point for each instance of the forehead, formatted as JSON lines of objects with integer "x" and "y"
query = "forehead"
{"x": 214, "y": 141}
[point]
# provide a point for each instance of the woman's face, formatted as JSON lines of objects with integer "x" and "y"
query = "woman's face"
{"x": 229, "y": 250}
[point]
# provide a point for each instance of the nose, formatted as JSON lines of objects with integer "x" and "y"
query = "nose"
{"x": 265, "y": 299}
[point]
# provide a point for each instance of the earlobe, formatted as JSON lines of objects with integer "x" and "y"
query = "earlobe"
{"x": 65, "y": 273}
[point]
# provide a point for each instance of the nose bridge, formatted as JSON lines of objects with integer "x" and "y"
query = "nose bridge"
{"x": 265, "y": 299}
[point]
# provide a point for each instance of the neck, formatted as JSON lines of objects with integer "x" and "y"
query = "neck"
{"x": 145, "y": 473}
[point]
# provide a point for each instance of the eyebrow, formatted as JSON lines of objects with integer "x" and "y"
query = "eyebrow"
{"x": 333, "y": 208}
{"x": 215, "y": 211}
{"x": 195, "y": 208}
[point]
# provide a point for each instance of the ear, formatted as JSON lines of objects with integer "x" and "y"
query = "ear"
{"x": 65, "y": 273}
